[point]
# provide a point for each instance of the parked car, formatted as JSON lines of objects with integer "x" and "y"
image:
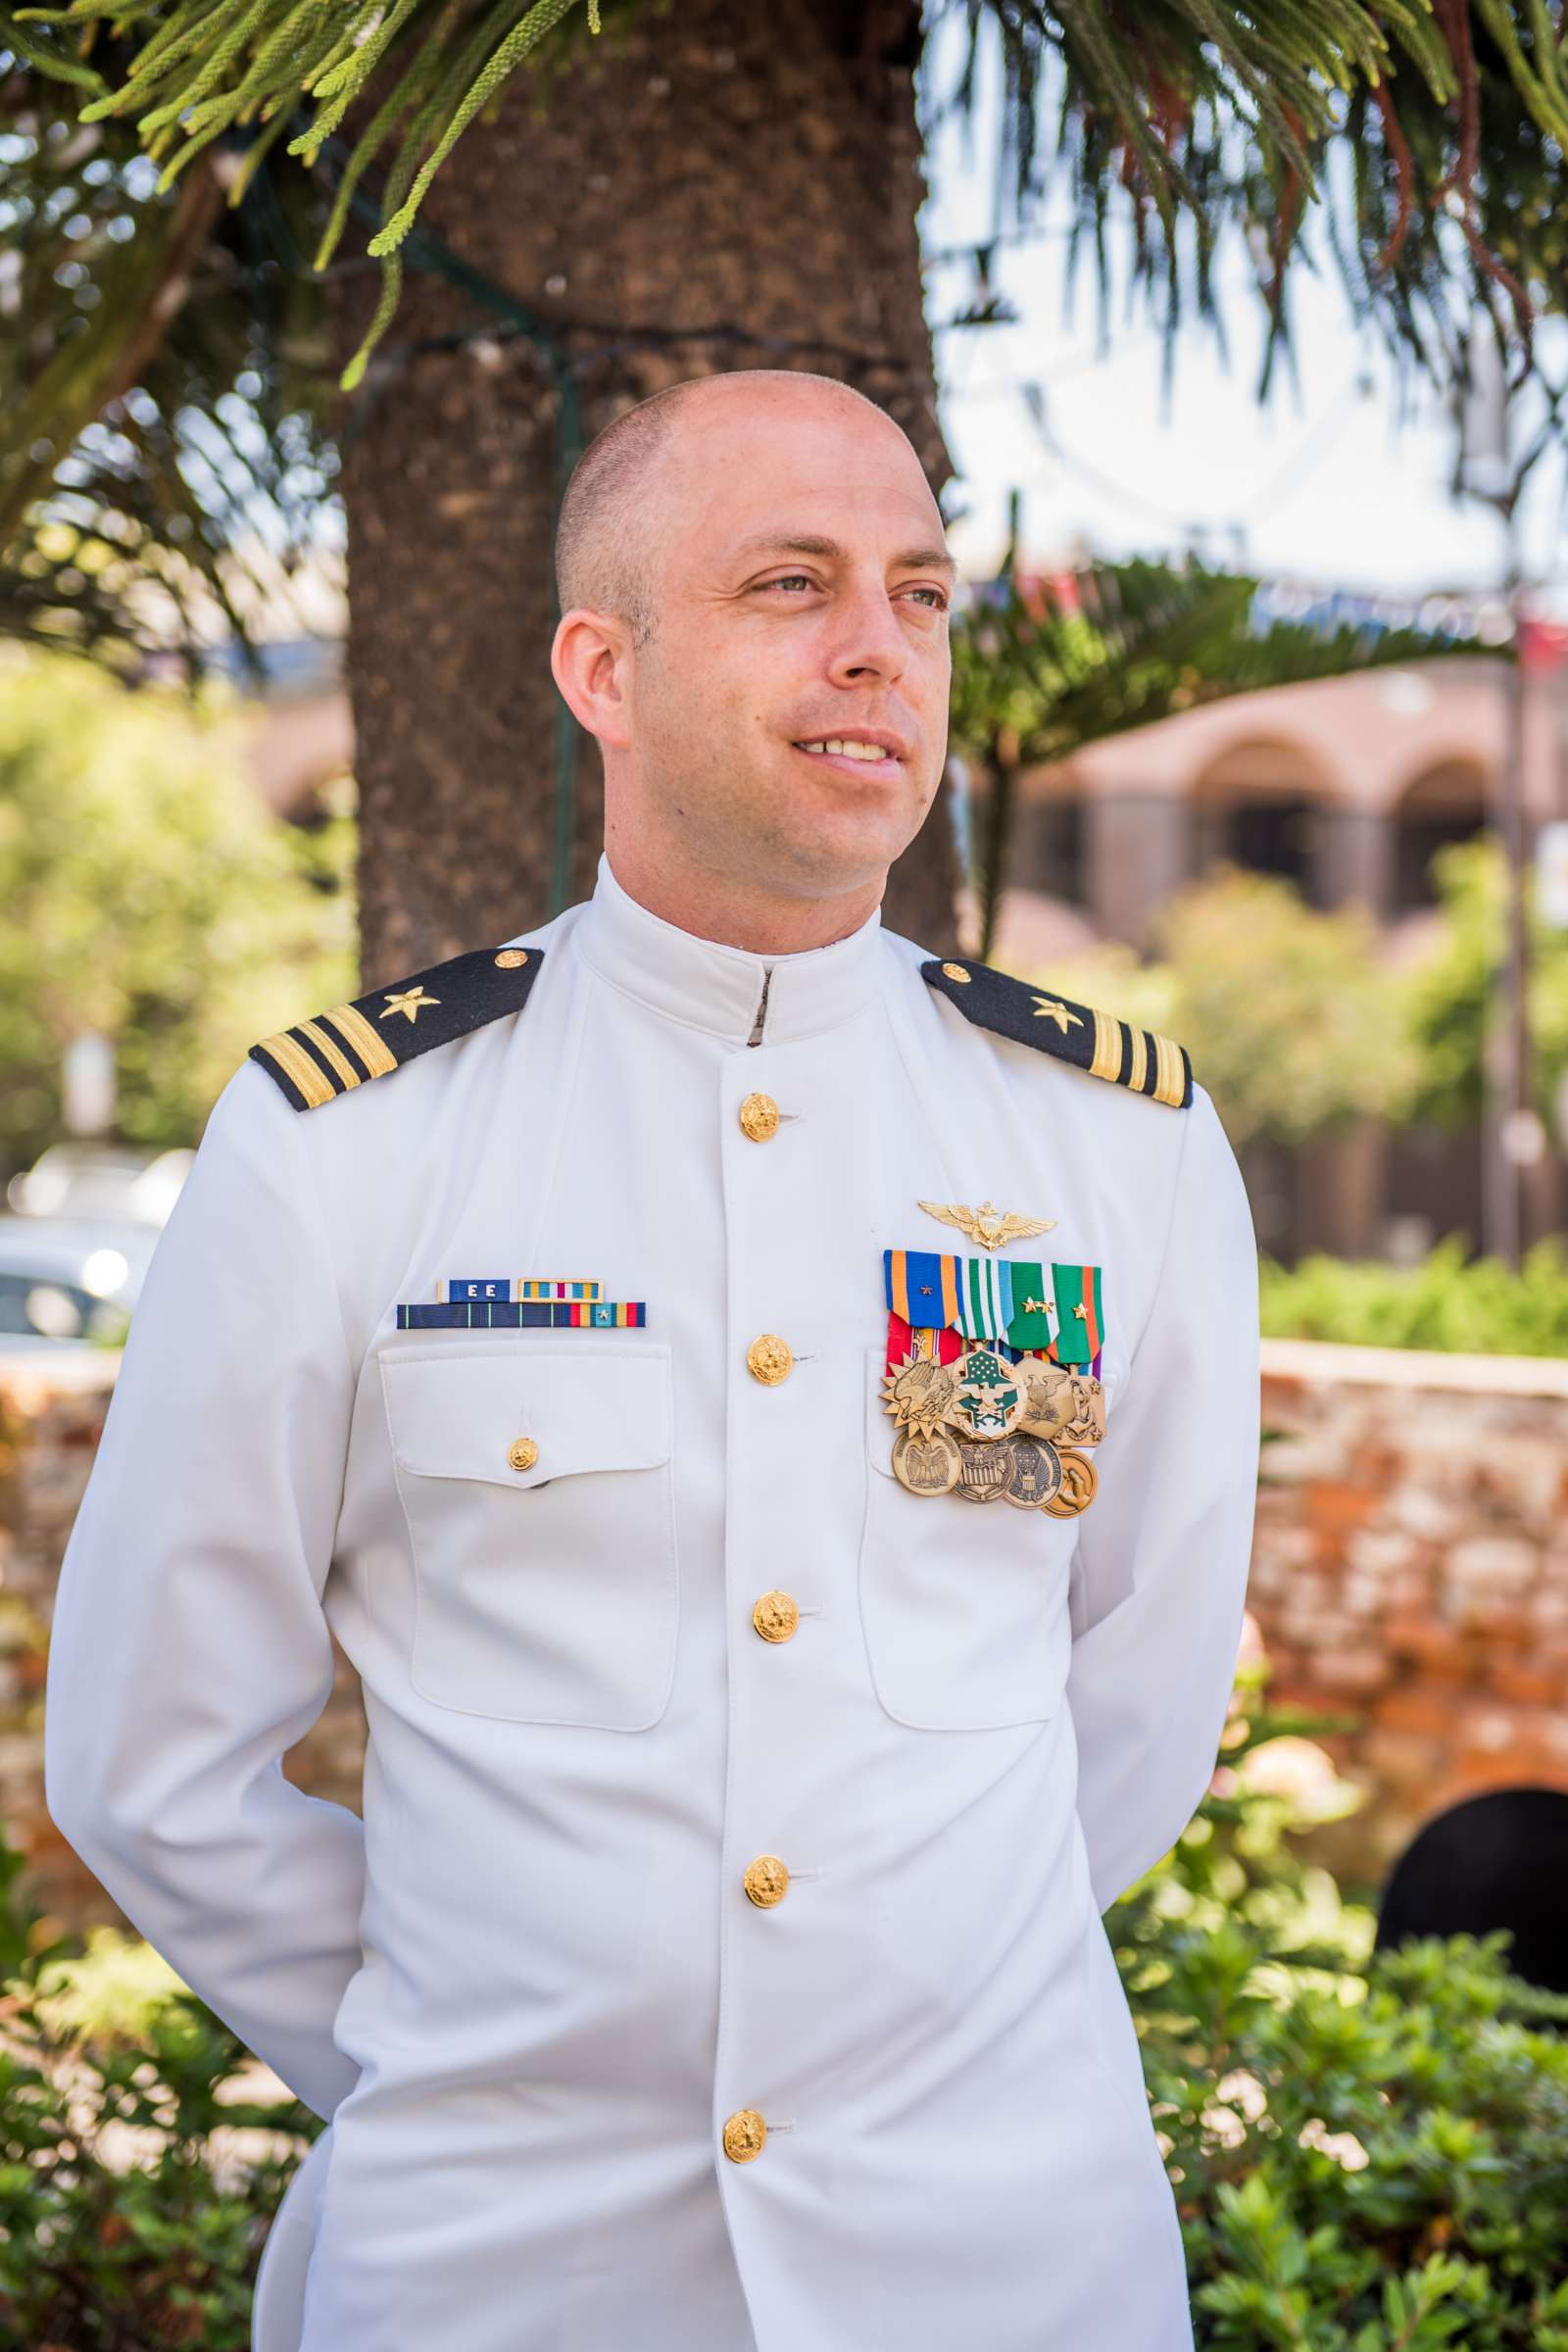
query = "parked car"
{"x": 109, "y": 1181}
{"x": 69, "y": 1279}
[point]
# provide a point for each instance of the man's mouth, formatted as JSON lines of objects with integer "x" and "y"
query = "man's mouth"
{"x": 857, "y": 753}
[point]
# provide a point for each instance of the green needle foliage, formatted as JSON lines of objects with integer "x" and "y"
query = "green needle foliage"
{"x": 177, "y": 177}
{"x": 1060, "y": 663}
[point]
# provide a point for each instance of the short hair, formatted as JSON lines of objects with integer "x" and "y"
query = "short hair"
{"x": 603, "y": 556}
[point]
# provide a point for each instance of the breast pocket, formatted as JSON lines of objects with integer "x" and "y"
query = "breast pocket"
{"x": 536, "y": 1480}
{"x": 964, "y": 1605}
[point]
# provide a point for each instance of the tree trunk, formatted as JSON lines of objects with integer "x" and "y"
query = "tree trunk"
{"x": 700, "y": 187}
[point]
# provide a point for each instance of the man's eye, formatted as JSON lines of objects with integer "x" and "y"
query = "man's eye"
{"x": 802, "y": 579}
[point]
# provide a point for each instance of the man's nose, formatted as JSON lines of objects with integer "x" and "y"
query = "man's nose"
{"x": 869, "y": 640}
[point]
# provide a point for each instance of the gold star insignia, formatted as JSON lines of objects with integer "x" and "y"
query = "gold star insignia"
{"x": 411, "y": 1001}
{"x": 1034, "y": 1306}
{"x": 1081, "y": 1311}
{"x": 1051, "y": 1009}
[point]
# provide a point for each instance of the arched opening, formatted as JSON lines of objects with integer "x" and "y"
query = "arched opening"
{"x": 1258, "y": 807}
{"x": 1048, "y": 851}
{"x": 1444, "y": 805}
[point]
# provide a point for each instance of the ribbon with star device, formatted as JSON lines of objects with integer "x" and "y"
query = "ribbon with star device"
{"x": 992, "y": 1379}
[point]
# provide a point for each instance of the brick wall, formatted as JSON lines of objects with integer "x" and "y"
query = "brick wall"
{"x": 1410, "y": 1571}
{"x": 51, "y": 1416}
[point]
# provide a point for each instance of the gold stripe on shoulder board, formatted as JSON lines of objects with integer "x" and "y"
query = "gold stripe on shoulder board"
{"x": 372, "y": 1050}
{"x": 296, "y": 1065}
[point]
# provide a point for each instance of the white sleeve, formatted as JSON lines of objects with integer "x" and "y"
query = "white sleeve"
{"x": 189, "y": 1648}
{"x": 1159, "y": 1574}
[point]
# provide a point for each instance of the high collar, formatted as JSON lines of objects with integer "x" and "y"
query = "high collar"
{"x": 707, "y": 986}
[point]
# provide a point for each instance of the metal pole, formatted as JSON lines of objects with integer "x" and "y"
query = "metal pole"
{"x": 1509, "y": 1062}
{"x": 1517, "y": 1063}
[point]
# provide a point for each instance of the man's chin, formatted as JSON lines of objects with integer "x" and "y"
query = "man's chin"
{"x": 834, "y": 861}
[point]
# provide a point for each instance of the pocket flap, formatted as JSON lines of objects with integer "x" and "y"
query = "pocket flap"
{"x": 459, "y": 1414}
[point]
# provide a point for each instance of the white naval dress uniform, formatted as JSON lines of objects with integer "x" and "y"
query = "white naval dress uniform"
{"x": 531, "y": 1990}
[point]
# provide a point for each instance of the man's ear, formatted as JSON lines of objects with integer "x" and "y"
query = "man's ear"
{"x": 590, "y": 660}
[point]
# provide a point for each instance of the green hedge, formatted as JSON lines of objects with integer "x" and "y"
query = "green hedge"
{"x": 1476, "y": 1307}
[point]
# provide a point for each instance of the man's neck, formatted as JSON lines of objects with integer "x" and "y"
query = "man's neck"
{"x": 718, "y": 908}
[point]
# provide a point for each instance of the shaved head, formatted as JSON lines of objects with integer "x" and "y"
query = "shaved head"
{"x": 755, "y": 593}
{"x": 609, "y": 537}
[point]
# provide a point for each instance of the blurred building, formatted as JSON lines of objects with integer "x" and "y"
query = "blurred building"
{"x": 1344, "y": 788}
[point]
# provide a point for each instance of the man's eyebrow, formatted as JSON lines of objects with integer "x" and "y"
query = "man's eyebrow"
{"x": 807, "y": 543}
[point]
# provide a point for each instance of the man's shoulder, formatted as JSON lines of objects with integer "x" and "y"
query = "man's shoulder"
{"x": 332, "y": 1051}
{"x": 1084, "y": 1037}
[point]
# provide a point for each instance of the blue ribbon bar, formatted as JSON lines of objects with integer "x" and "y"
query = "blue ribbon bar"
{"x": 525, "y": 1314}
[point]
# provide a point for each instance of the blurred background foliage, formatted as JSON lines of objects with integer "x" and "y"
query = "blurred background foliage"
{"x": 1299, "y": 1021}
{"x": 150, "y": 895}
{"x": 1476, "y": 1306}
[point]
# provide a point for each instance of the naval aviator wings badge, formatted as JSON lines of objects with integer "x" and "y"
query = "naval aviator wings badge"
{"x": 987, "y": 1225}
{"x": 992, "y": 1379}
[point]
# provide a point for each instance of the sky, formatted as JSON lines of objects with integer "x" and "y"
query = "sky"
{"x": 1324, "y": 484}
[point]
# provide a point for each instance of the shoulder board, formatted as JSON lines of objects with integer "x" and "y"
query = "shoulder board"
{"x": 341, "y": 1048}
{"x": 1096, "y": 1041}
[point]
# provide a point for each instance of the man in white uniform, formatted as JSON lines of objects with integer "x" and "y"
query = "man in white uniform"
{"x": 772, "y": 1418}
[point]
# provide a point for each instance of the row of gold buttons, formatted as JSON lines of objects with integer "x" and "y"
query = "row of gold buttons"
{"x": 775, "y": 1617}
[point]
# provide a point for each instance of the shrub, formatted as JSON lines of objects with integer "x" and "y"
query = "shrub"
{"x": 1370, "y": 2152}
{"x": 125, "y": 2225}
{"x": 1479, "y": 1306}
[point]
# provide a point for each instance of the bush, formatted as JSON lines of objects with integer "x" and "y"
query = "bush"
{"x": 125, "y": 2225}
{"x": 1370, "y": 2153}
{"x": 149, "y": 896}
{"x": 1446, "y": 1303}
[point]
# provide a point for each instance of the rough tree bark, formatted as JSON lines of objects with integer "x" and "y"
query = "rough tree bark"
{"x": 704, "y": 187}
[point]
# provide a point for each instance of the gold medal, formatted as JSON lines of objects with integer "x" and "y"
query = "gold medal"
{"x": 1048, "y": 1398}
{"x": 1036, "y": 1473}
{"x": 990, "y": 1398}
{"x": 921, "y": 1394}
{"x": 1080, "y": 1484}
{"x": 986, "y": 1469}
{"x": 925, "y": 1464}
{"x": 1087, "y": 1426}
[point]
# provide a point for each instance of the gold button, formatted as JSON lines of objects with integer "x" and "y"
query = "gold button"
{"x": 522, "y": 1454}
{"x": 766, "y": 1880}
{"x": 769, "y": 1359}
{"x": 759, "y": 1117}
{"x": 744, "y": 2135}
{"x": 509, "y": 958}
{"x": 956, "y": 972}
{"x": 775, "y": 1617}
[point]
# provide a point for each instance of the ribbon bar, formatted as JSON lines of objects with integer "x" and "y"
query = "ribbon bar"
{"x": 523, "y": 1314}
